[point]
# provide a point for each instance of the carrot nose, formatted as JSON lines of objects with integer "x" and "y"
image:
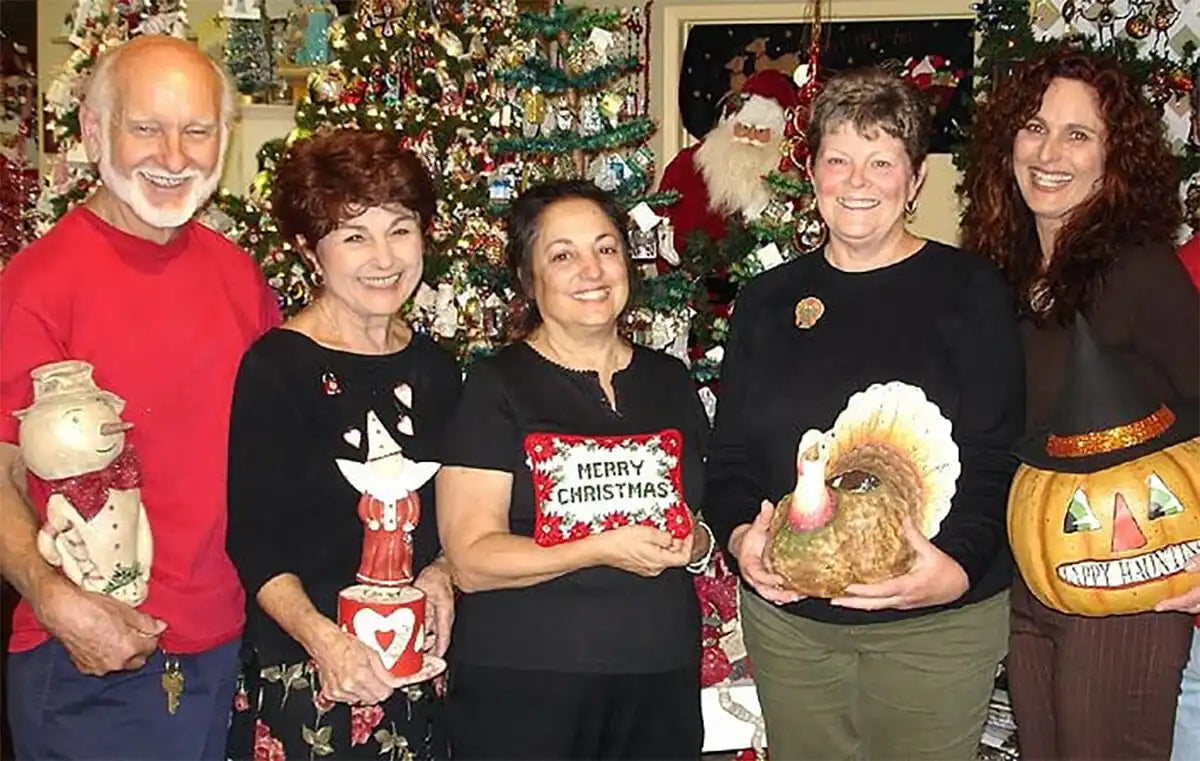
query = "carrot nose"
{"x": 111, "y": 429}
{"x": 1126, "y": 534}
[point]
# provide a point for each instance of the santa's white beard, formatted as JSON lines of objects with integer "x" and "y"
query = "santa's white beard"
{"x": 733, "y": 170}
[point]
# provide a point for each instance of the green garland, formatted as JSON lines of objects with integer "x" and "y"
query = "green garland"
{"x": 537, "y": 72}
{"x": 633, "y": 131}
{"x": 570, "y": 19}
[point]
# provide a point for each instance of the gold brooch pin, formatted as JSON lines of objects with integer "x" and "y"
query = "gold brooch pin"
{"x": 808, "y": 310}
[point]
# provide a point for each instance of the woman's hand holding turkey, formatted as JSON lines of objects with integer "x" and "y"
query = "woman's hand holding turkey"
{"x": 748, "y": 544}
{"x": 934, "y": 579}
{"x": 350, "y": 671}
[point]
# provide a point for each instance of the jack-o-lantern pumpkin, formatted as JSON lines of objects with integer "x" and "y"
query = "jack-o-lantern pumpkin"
{"x": 1104, "y": 514}
{"x": 1115, "y": 541}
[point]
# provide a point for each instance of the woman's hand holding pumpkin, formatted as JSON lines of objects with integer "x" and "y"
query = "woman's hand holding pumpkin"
{"x": 749, "y": 543}
{"x": 1189, "y": 601}
{"x": 934, "y": 579}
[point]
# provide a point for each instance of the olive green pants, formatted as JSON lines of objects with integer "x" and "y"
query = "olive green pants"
{"x": 906, "y": 690}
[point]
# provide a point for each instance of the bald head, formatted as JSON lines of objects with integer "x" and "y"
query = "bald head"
{"x": 145, "y": 60}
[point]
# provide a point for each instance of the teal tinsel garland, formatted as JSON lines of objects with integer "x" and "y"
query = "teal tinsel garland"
{"x": 630, "y": 132}
{"x": 562, "y": 18}
{"x": 537, "y": 72}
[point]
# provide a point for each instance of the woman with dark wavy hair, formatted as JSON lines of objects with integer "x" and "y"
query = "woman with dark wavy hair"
{"x": 1071, "y": 189}
{"x": 335, "y": 434}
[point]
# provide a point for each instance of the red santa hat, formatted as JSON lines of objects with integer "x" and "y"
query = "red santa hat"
{"x": 764, "y": 99}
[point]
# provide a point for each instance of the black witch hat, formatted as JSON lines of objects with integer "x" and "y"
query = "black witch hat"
{"x": 1104, "y": 417}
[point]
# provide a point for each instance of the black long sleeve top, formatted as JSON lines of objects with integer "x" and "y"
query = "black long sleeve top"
{"x": 942, "y": 320}
{"x": 594, "y": 620}
{"x": 299, "y": 407}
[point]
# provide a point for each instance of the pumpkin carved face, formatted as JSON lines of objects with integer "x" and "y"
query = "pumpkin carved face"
{"x": 1111, "y": 542}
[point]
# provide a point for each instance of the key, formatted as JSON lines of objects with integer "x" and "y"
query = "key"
{"x": 172, "y": 684}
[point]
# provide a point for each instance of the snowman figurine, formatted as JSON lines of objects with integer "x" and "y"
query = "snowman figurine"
{"x": 73, "y": 439}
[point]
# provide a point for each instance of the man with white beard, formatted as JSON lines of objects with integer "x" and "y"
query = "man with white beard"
{"x": 164, "y": 309}
{"x": 723, "y": 174}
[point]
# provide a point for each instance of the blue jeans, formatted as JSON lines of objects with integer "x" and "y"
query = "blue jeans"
{"x": 56, "y": 712}
{"x": 1187, "y": 715}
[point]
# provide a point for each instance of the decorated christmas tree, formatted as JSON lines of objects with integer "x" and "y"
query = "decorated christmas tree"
{"x": 577, "y": 102}
{"x": 424, "y": 71}
{"x": 92, "y": 27}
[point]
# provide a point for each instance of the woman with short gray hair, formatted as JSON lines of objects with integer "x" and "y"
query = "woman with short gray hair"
{"x": 902, "y": 668}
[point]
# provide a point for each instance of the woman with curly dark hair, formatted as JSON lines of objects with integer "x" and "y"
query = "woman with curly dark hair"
{"x": 1071, "y": 189}
{"x": 334, "y": 437}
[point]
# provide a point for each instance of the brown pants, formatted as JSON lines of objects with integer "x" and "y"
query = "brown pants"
{"x": 1094, "y": 689}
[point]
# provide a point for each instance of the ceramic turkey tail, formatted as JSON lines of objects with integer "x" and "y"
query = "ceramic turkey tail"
{"x": 893, "y": 428}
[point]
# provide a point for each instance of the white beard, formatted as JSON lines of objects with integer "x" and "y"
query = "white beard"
{"x": 733, "y": 170}
{"x": 129, "y": 189}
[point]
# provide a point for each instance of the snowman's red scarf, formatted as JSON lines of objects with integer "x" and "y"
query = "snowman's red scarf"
{"x": 88, "y": 492}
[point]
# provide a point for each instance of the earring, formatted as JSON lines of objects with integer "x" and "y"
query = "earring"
{"x": 910, "y": 208}
{"x": 318, "y": 278}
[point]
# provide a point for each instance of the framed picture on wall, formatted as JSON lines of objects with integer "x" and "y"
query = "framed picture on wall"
{"x": 709, "y": 49}
{"x": 935, "y": 54}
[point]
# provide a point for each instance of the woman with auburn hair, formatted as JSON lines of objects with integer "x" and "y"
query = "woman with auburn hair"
{"x": 1072, "y": 190}
{"x": 337, "y": 421}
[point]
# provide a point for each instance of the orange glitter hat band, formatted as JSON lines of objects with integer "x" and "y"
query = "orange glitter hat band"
{"x": 1111, "y": 439}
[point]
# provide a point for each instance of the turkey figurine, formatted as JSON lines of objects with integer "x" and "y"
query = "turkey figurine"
{"x": 888, "y": 456}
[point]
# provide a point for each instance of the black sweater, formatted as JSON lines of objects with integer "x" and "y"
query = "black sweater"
{"x": 298, "y": 407}
{"x": 594, "y": 620}
{"x": 942, "y": 320}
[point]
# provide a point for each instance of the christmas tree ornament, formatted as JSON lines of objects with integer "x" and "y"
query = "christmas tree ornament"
{"x": 564, "y": 118}
{"x": 810, "y": 234}
{"x": 610, "y": 107}
{"x": 590, "y": 120}
{"x": 326, "y": 84}
{"x": 1139, "y": 26}
{"x": 643, "y": 244}
{"x": 450, "y": 43}
{"x": 666, "y": 243}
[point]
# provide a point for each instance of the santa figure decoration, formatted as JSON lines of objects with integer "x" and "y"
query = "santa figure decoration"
{"x": 73, "y": 439}
{"x": 389, "y": 507}
{"x": 384, "y": 610}
{"x": 723, "y": 175}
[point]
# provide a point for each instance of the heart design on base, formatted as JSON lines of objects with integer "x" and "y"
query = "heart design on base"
{"x": 372, "y": 630}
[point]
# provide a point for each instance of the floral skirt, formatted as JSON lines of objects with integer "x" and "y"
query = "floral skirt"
{"x": 279, "y": 716}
